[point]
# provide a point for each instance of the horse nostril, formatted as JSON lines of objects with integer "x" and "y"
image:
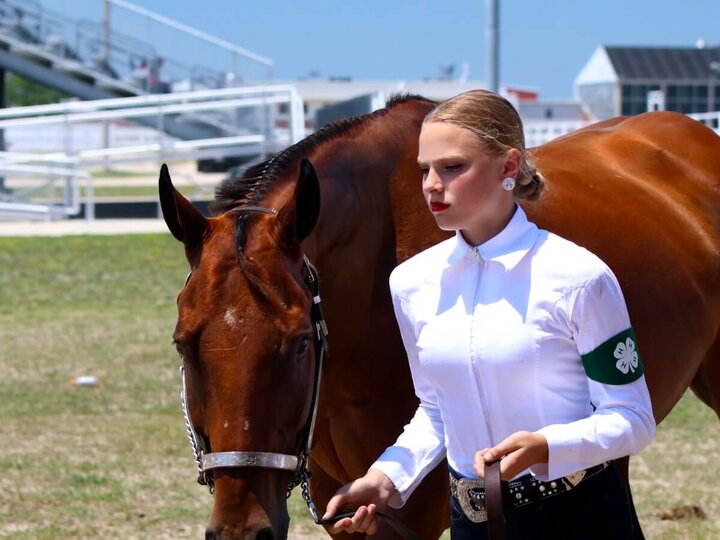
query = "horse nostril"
{"x": 211, "y": 534}
{"x": 265, "y": 534}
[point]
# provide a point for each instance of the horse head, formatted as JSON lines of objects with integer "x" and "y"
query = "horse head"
{"x": 246, "y": 338}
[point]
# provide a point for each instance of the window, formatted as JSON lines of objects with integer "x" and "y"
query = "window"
{"x": 634, "y": 98}
{"x": 687, "y": 98}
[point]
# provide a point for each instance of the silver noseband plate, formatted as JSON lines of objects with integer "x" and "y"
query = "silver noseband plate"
{"x": 268, "y": 460}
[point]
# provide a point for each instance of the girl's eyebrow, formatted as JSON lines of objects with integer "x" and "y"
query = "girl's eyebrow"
{"x": 443, "y": 159}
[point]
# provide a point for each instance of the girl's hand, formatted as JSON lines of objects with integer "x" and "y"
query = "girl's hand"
{"x": 366, "y": 494}
{"x": 518, "y": 452}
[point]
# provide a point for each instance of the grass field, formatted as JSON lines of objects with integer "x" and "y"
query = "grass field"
{"x": 113, "y": 461}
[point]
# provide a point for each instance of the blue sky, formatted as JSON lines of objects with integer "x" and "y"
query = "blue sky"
{"x": 544, "y": 43}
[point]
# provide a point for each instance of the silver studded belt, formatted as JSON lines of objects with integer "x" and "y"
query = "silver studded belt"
{"x": 522, "y": 491}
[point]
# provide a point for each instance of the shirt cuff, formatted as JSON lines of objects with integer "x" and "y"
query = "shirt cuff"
{"x": 399, "y": 466}
{"x": 563, "y": 453}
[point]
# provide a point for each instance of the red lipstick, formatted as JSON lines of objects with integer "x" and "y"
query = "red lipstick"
{"x": 438, "y": 206}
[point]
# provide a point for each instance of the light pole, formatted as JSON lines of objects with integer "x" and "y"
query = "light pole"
{"x": 493, "y": 44}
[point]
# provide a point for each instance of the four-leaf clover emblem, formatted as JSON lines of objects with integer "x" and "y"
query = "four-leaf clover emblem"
{"x": 627, "y": 356}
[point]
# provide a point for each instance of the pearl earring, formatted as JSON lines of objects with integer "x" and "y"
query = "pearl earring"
{"x": 509, "y": 183}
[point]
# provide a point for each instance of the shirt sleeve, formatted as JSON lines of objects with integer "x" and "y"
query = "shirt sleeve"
{"x": 622, "y": 422}
{"x": 421, "y": 445}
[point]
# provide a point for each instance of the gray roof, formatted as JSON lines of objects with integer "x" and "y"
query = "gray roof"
{"x": 664, "y": 62}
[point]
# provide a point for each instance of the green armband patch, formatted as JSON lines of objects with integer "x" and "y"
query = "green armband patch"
{"x": 617, "y": 361}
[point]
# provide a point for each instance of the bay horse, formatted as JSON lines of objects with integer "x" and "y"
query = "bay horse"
{"x": 642, "y": 192}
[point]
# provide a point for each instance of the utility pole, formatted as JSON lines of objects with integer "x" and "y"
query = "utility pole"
{"x": 493, "y": 44}
{"x": 106, "y": 64}
{"x": 106, "y": 28}
{"x": 2, "y": 131}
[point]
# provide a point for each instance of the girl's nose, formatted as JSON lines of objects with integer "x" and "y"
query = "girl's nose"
{"x": 432, "y": 182}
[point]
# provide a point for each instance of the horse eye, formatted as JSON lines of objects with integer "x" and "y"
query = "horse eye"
{"x": 303, "y": 346}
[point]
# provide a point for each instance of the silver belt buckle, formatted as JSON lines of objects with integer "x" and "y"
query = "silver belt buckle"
{"x": 574, "y": 479}
{"x": 464, "y": 485}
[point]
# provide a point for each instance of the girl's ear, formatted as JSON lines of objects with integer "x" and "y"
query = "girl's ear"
{"x": 513, "y": 162}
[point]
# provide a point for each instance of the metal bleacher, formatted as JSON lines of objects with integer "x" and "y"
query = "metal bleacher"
{"x": 217, "y": 106}
{"x": 91, "y": 60}
{"x": 69, "y": 56}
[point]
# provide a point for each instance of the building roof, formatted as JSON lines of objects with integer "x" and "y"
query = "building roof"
{"x": 664, "y": 62}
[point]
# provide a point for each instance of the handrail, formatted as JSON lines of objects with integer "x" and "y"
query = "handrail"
{"x": 125, "y": 56}
{"x": 15, "y": 157}
{"x": 253, "y": 139}
{"x": 710, "y": 119}
{"x": 193, "y": 32}
{"x": 135, "y": 112}
{"x": 149, "y": 99}
{"x": 17, "y": 164}
{"x": 153, "y": 148}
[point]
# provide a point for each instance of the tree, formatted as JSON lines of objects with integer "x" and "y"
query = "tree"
{"x": 20, "y": 92}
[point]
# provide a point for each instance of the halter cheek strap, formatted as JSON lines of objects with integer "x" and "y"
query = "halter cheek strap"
{"x": 207, "y": 461}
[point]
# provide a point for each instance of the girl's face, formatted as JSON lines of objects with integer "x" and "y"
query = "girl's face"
{"x": 462, "y": 181}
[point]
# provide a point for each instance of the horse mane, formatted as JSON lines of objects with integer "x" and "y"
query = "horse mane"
{"x": 251, "y": 187}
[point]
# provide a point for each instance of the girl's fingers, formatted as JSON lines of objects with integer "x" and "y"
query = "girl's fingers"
{"x": 357, "y": 519}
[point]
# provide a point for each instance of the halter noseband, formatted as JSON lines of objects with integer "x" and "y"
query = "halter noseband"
{"x": 208, "y": 461}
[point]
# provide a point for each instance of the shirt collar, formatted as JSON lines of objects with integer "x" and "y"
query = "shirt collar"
{"x": 507, "y": 247}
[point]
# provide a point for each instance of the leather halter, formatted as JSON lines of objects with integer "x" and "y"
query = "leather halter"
{"x": 207, "y": 461}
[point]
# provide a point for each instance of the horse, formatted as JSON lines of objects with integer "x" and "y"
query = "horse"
{"x": 330, "y": 217}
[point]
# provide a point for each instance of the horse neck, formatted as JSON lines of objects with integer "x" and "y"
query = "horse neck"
{"x": 356, "y": 170}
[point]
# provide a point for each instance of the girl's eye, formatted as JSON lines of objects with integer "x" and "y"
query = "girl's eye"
{"x": 453, "y": 167}
{"x": 424, "y": 171}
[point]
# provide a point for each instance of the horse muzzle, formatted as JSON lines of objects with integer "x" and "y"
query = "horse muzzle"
{"x": 247, "y": 533}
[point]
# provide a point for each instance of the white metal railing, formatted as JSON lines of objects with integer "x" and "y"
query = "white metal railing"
{"x": 207, "y": 61}
{"x": 226, "y": 101}
{"x": 710, "y": 119}
{"x": 49, "y": 188}
{"x": 127, "y": 47}
{"x": 243, "y": 118}
{"x": 194, "y": 32}
{"x": 540, "y": 132}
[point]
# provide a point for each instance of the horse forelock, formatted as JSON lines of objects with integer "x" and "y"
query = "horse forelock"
{"x": 263, "y": 270}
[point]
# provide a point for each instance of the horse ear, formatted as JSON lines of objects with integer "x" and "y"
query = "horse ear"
{"x": 307, "y": 200}
{"x": 186, "y": 223}
{"x": 297, "y": 219}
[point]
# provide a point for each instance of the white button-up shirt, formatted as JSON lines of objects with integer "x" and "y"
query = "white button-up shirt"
{"x": 494, "y": 336}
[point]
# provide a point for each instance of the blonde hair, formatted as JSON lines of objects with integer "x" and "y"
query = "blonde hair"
{"x": 498, "y": 126}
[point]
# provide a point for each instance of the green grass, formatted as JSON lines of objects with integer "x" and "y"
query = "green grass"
{"x": 149, "y": 192}
{"x": 125, "y": 192}
{"x": 119, "y": 173}
{"x": 113, "y": 461}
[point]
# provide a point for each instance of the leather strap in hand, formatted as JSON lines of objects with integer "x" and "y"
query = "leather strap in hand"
{"x": 493, "y": 501}
{"x": 405, "y": 532}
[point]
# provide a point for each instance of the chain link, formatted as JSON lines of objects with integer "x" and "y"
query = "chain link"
{"x": 203, "y": 478}
{"x": 305, "y": 489}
